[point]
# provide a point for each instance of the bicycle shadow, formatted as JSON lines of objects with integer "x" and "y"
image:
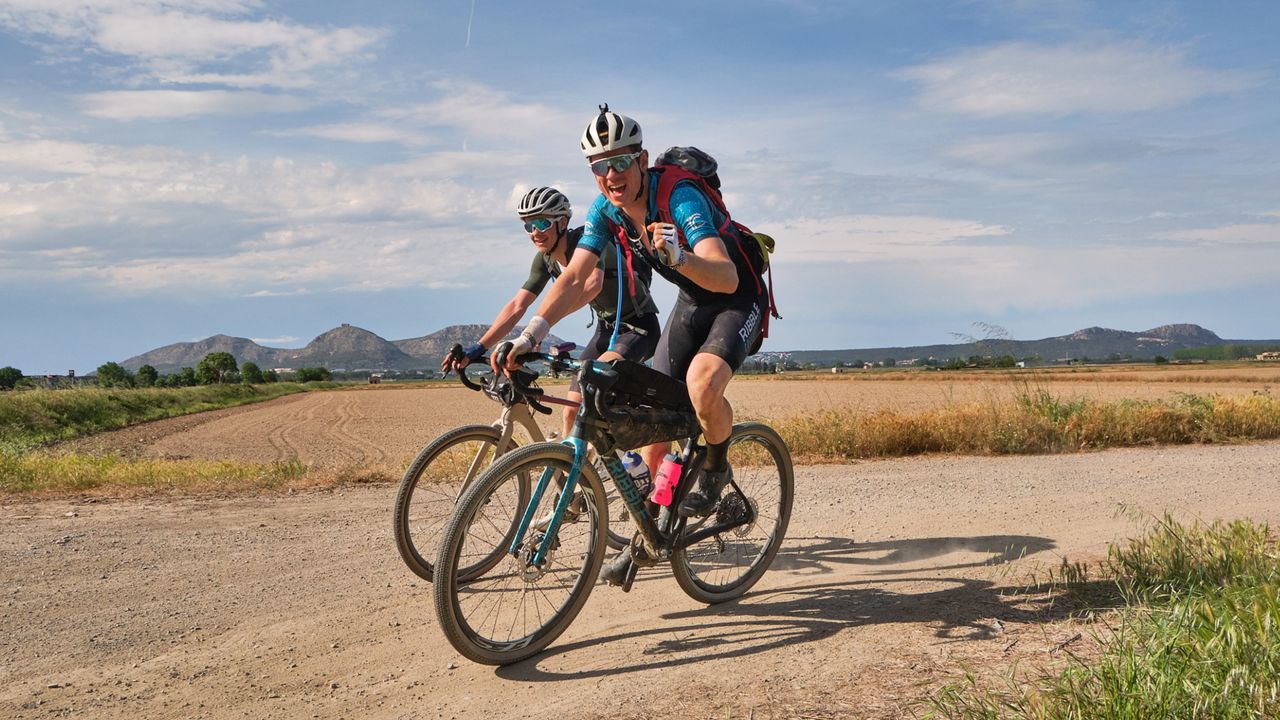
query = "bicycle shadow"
{"x": 778, "y": 617}
{"x": 817, "y": 554}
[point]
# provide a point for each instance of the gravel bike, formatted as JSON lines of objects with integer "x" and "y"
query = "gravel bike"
{"x": 524, "y": 599}
{"x": 447, "y": 466}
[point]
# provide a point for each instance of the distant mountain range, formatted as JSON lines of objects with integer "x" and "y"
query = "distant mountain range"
{"x": 1094, "y": 343}
{"x": 351, "y": 348}
{"x": 345, "y": 347}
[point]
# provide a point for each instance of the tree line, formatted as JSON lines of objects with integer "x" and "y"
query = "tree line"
{"x": 213, "y": 369}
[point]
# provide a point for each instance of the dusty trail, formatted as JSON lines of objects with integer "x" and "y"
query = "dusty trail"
{"x": 297, "y": 606}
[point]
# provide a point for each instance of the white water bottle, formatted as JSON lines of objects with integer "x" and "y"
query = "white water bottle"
{"x": 638, "y": 471}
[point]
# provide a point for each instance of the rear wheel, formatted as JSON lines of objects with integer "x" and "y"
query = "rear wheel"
{"x": 725, "y": 566}
{"x": 440, "y": 473}
{"x": 515, "y": 608}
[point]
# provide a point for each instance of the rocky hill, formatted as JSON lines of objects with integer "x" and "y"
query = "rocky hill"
{"x": 350, "y": 348}
{"x": 1095, "y": 343}
{"x": 437, "y": 343}
{"x": 345, "y": 347}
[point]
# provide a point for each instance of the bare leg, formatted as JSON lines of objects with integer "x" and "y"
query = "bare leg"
{"x": 707, "y": 379}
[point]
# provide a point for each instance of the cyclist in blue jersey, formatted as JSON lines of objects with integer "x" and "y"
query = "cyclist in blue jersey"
{"x": 718, "y": 316}
{"x": 546, "y": 213}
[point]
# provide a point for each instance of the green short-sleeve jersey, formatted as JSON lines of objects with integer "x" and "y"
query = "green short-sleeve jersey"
{"x": 544, "y": 269}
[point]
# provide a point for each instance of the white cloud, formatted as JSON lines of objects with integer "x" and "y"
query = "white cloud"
{"x": 341, "y": 256}
{"x": 361, "y": 133}
{"x": 1021, "y": 78}
{"x": 865, "y": 238}
{"x": 1240, "y": 234}
{"x": 482, "y": 112}
{"x": 282, "y": 340}
{"x": 135, "y": 104}
{"x": 194, "y": 41}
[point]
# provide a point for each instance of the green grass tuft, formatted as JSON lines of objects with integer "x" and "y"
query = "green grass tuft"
{"x": 1200, "y": 637}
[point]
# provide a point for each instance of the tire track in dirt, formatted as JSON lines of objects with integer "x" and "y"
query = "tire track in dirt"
{"x": 350, "y": 418}
{"x": 283, "y": 451}
{"x": 298, "y": 435}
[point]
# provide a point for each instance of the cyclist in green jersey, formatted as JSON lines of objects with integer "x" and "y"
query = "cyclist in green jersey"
{"x": 546, "y": 213}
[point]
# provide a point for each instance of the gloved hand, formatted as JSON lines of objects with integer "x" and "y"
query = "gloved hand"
{"x": 666, "y": 244}
{"x": 534, "y": 333}
{"x": 458, "y": 357}
{"x": 503, "y": 357}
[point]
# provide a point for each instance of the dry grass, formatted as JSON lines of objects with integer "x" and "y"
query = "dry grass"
{"x": 1028, "y": 420}
{"x": 35, "y": 476}
{"x": 1036, "y": 422}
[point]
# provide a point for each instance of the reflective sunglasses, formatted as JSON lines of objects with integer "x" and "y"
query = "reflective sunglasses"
{"x": 619, "y": 163}
{"x": 539, "y": 224}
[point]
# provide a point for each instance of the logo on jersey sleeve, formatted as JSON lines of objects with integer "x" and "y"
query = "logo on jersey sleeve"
{"x": 692, "y": 223}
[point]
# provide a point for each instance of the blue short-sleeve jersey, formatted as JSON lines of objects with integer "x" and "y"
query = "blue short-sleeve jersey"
{"x": 697, "y": 217}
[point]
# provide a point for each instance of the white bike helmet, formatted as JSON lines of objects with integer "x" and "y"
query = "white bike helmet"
{"x": 610, "y": 131}
{"x": 544, "y": 202}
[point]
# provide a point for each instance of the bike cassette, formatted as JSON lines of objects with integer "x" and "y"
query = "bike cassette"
{"x": 735, "y": 509}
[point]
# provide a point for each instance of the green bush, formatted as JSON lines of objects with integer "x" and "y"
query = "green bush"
{"x": 9, "y": 377}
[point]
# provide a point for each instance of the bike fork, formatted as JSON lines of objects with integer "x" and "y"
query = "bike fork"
{"x": 566, "y": 497}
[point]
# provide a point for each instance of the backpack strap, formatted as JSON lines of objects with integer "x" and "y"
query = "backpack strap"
{"x": 668, "y": 177}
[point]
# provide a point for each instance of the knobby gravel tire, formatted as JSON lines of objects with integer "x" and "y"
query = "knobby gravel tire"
{"x": 512, "y": 612}
{"x": 723, "y": 567}
{"x": 425, "y": 502}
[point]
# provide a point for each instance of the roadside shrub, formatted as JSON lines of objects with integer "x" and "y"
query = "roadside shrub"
{"x": 9, "y": 377}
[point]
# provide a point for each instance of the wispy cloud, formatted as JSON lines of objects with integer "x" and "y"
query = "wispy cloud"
{"x": 1239, "y": 234}
{"x": 177, "y": 42}
{"x": 361, "y": 132}
{"x": 1022, "y": 78}
{"x": 169, "y": 104}
{"x": 282, "y": 340}
{"x": 866, "y": 238}
{"x": 483, "y": 112}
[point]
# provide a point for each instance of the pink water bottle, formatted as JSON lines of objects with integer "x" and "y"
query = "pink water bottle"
{"x": 668, "y": 476}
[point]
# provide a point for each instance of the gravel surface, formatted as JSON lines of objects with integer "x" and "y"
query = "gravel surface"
{"x": 894, "y": 575}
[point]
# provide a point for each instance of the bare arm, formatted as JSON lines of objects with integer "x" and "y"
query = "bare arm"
{"x": 568, "y": 293}
{"x": 592, "y": 287}
{"x": 508, "y": 316}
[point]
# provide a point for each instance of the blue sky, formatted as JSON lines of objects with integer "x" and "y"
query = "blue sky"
{"x": 173, "y": 169}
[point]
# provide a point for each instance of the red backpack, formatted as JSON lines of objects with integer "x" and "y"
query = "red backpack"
{"x": 678, "y": 164}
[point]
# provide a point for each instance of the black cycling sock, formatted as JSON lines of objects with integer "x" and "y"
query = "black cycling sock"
{"x": 717, "y": 456}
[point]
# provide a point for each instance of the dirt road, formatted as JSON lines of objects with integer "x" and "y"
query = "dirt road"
{"x": 894, "y": 573}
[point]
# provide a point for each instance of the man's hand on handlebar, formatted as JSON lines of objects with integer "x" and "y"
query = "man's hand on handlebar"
{"x": 505, "y": 358}
{"x": 458, "y": 357}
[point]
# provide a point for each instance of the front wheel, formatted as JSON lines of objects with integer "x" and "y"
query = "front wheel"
{"x": 516, "y": 607}
{"x": 434, "y": 481}
{"x": 723, "y": 567}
